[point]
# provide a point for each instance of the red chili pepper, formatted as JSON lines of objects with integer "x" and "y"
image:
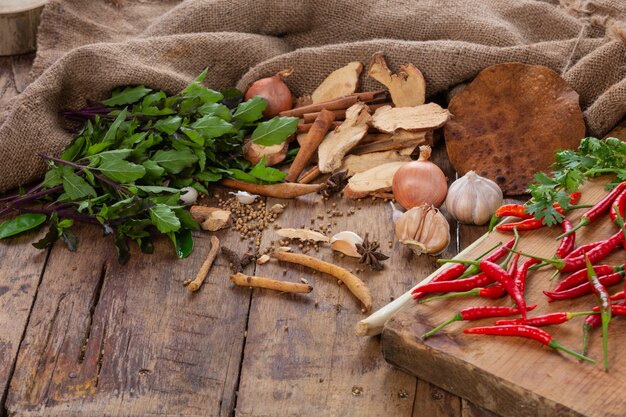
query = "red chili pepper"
{"x": 496, "y": 272}
{"x": 598, "y": 209}
{"x": 584, "y": 288}
{"x": 620, "y": 204}
{"x": 617, "y": 310}
{"x": 581, "y": 250}
{"x": 528, "y": 224}
{"x": 575, "y": 197}
{"x": 528, "y": 332}
{"x": 568, "y": 242}
{"x": 522, "y": 272}
{"x": 493, "y": 257}
{"x": 513, "y": 210}
{"x": 452, "y": 273}
{"x": 580, "y": 277}
{"x": 618, "y": 296}
{"x": 475, "y": 313}
{"x": 604, "y": 303}
{"x": 544, "y": 319}
{"x": 463, "y": 284}
{"x": 571, "y": 264}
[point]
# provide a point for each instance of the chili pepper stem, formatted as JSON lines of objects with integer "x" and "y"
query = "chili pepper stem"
{"x": 557, "y": 263}
{"x": 505, "y": 264}
{"x": 458, "y": 261}
{"x": 472, "y": 270}
{"x": 579, "y": 206}
{"x": 493, "y": 222}
{"x": 584, "y": 221}
{"x": 451, "y": 295}
{"x": 456, "y": 317}
{"x": 554, "y": 275}
{"x": 606, "y": 315}
{"x": 555, "y": 345}
{"x": 581, "y": 313}
{"x": 586, "y": 330}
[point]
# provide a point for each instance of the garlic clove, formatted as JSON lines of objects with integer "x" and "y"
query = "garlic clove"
{"x": 424, "y": 229}
{"x": 189, "y": 195}
{"x": 415, "y": 246}
{"x": 473, "y": 199}
{"x": 345, "y": 242}
{"x": 244, "y": 197}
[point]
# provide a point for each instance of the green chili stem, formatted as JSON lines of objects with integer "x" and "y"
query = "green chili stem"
{"x": 456, "y": 317}
{"x": 555, "y": 345}
{"x": 584, "y": 221}
{"x": 557, "y": 263}
{"x": 473, "y": 270}
{"x": 508, "y": 258}
{"x": 473, "y": 292}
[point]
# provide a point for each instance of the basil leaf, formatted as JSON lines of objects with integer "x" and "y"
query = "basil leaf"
{"x": 275, "y": 131}
{"x": 116, "y": 154}
{"x": 164, "y": 218}
{"x": 75, "y": 187}
{"x": 215, "y": 109}
{"x": 212, "y": 126}
{"x": 52, "y": 178}
{"x": 183, "y": 243}
{"x": 128, "y": 95}
{"x": 112, "y": 132}
{"x": 21, "y": 223}
{"x": 267, "y": 174}
{"x": 169, "y": 125}
{"x": 208, "y": 176}
{"x": 197, "y": 80}
{"x": 251, "y": 110}
{"x": 155, "y": 189}
{"x": 243, "y": 176}
{"x": 74, "y": 149}
{"x": 153, "y": 170}
{"x": 174, "y": 161}
{"x": 206, "y": 95}
{"x": 122, "y": 171}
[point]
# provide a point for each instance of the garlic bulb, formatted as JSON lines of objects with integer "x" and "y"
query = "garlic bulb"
{"x": 189, "y": 196}
{"x": 244, "y": 197}
{"x": 473, "y": 199}
{"x": 424, "y": 229}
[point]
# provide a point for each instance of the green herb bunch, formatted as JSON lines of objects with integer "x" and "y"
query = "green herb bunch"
{"x": 572, "y": 168}
{"x": 125, "y": 169}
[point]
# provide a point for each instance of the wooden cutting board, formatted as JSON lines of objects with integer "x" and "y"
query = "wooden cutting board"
{"x": 513, "y": 376}
{"x": 19, "y": 20}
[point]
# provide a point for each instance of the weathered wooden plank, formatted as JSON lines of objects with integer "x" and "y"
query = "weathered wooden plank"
{"x": 21, "y": 65}
{"x": 514, "y": 376}
{"x": 7, "y": 85}
{"x": 22, "y": 266}
{"x": 130, "y": 340}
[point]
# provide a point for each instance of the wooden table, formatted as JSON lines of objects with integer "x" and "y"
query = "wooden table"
{"x": 82, "y": 335}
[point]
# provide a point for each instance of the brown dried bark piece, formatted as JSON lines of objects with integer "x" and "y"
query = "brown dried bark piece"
{"x": 359, "y": 163}
{"x": 407, "y": 87}
{"x": 377, "y": 179}
{"x": 338, "y": 142}
{"x": 274, "y": 154}
{"x": 378, "y": 142}
{"x": 508, "y": 122}
{"x": 210, "y": 218}
{"x": 339, "y": 83}
{"x": 425, "y": 117}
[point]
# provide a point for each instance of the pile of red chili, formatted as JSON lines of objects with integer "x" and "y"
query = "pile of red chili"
{"x": 497, "y": 273}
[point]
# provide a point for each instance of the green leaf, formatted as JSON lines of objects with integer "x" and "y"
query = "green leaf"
{"x": 197, "y": 80}
{"x": 112, "y": 132}
{"x": 174, "y": 161}
{"x": 75, "y": 187}
{"x": 186, "y": 219}
{"x": 155, "y": 189}
{"x": 122, "y": 171}
{"x": 21, "y": 223}
{"x": 212, "y": 126}
{"x": 243, "y": 176}
{"x": 164, "y": 218}
{"x": 267, "y": 174}
{"x": 75, "y": 149}
{"x": 133, "y": 139}
{"x": 153, "y": 170}
{"x": 128, "y": 95}
{"x": 183, "y": 243}
{"x": 52, "y": 178}
{"x": 50, "y": 237}
{"x": 169, "y": 125}
{"x": 69, "y": 239}
{"x": 251, "y": 110}
{"x": 206, "y": 95}
{"x": 116, "y": 154}
{"x": 275, "y": 131}
{"x": 121, "y": 247}
{"x": 209, "y": 176}
{"x": 215, "y": 109}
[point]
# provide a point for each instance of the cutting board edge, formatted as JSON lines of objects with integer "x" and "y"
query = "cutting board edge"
{"x": 499, "y": 396}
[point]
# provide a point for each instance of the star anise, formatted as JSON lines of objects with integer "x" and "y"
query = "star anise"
{"x": 335, "y": 183}
{"x": 370, "y": 255}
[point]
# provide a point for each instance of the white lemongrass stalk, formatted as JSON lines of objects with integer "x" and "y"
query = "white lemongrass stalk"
{"x": 373, "y": 325}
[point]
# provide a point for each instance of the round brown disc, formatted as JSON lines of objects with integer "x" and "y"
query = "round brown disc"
{"x": 508, "y": 122}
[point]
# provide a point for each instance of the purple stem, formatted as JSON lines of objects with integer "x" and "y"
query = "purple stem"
{"x": 62, "y": 213}
{"x": 31, "y": 197}
{"x": 34, "y": 188}
{"x": 102, "y": 178}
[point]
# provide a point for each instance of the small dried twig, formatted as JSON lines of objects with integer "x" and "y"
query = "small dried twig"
{"x": 310, "y": 175}
{"x": 284, "y": 190}
{"x": 206, "y": 265}
{"x": 244, "y": 280}
{"x": 317, "y": 133}
{"x": 354, "y": 284}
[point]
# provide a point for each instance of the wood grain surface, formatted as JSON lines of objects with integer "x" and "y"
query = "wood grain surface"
{"x": 513, "y": 376}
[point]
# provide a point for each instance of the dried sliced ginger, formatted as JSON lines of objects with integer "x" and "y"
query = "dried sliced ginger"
{"x": 302, "y": 234}
{"x": 339, "y": 83}
{"x": 425, "y": 117}
{"x": 407, "y": 88}
{"x": 377, "y": 179}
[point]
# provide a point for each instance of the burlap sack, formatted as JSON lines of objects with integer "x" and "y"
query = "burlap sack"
{"x": 88, "y": 47}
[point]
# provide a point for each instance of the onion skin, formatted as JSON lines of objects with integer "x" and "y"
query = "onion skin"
{"x": 420, "y": 182}
{"x": 274, "y": 90}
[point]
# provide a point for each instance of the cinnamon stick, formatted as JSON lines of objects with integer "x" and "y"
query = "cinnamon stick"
{"x": 340, "y": 103}
{"x": 305, "y": 127}
{"x": 206, "y": 266}
{"x": 310, "y": 176}
{"x": 340, "y": 114}
{"x": 283, "y": 190}
{"x": 322, "y": 123}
